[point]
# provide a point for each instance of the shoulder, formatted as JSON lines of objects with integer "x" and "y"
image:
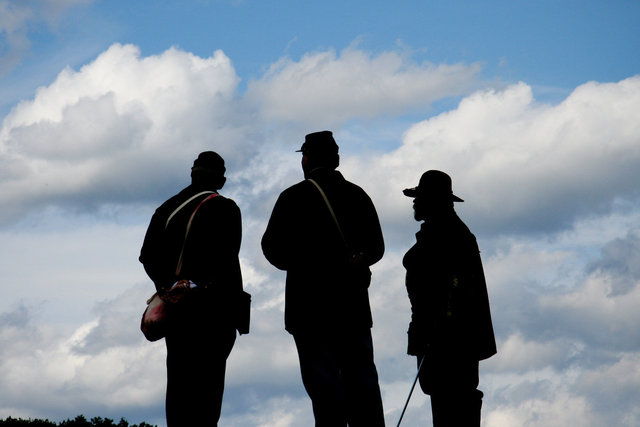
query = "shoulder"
{"x": 465, "y": 236}
{"x": 296, "y": 190}
{"x": 222, "y": 203}
{"x": 356, "y": 189}
{"x": 223, "y": 200}
{"x": 349, "y": 186}
{"x": 179, "y": 198}
{"x": 172, "y": 203}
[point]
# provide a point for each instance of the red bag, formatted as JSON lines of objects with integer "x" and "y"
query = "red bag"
{"x": 154, "y": 319}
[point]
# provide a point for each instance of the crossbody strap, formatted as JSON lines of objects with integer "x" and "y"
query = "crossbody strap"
{"x": 185, "y": 204}
{"x": 333, "y": 215}
{"x": 186, "y": 233}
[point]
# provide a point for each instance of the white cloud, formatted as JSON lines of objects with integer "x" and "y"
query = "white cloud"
{"x": 123, "y": 126}
{"x": 273, "y": 412}
{"x": 563, "y": 410}
{"x": 117, "y": 128}
{"x": 328, "y": 89}
{"x": 41, "y": 365}
{"x": 523, "y": 166}
{"x": 125, "y": 129}
{"x": 621, "y": 260}
{"x": 597, "y": 316}
{"x": 62, "y": 268}
{"x": 520, "y": 355}
{"x": 615, "y": 382}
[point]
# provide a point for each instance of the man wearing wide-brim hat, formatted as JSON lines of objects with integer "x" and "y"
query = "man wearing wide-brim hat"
{"x": 451, "y": 328}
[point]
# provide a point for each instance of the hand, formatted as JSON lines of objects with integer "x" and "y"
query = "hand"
{"x": 177, "y": 292}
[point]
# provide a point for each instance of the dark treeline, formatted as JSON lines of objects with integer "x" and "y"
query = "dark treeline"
{"x": 79, "y": 421}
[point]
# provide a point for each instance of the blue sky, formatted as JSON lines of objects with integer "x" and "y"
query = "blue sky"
{"x": 532, "y": 107}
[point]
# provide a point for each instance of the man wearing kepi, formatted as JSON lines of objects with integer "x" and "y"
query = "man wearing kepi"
{"x": 451, "y": 328}
{"x": 324, "y": 231}
{"x": 194, "y": 238}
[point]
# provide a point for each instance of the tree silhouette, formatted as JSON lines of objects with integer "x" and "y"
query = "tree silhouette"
{"x": 79, "y": 421}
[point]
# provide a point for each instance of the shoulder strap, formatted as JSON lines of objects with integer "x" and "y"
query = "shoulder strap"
{"x": 186, "y": 233}
{"x": 333, "y": 215}
{"x": 185, "y": 204}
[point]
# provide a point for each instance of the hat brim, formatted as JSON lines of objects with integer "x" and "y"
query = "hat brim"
{"x": 413, "y": 192}
{"x": 410, "y": 192}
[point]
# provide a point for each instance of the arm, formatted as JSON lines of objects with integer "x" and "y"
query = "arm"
{"x": 275, "y": 242}
{"x": 151, "y": 254}
{"x": 374, "y": 241}
{"x": 229, "y": 246}
{"x": 363, "y": 231}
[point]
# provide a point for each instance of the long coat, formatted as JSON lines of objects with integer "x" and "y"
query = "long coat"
{"x": 323, "y": 288}
{"x": 210, "y": 250}
{"x": 448, "y": 293}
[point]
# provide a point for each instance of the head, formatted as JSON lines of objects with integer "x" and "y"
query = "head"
{"x": 433, "y": 196}
{"x": 208, "y": 171}
{"x": 319, "y": 150}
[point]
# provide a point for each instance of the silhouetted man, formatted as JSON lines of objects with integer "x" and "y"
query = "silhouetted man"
{"x": 203, "y": 324}
{"x": 327, "y": 308}
{"x": 451, "y": 327}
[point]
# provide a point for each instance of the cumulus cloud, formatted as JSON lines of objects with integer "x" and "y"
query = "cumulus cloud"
{"x": 40, "y": 364}
{"x": 118, "y": 128}
{"x": 123, "y": 126}
{"x": 621, "y": 260}
{"x": 564, "y": 409}
{"x": 330, "y": 88}
{"x": 550, "y": 292}
{"x": 549, "y": 188}
{"x": 523, "y": 166}
{"x": 562, "y": 333}
{"x": 597, "y": 317}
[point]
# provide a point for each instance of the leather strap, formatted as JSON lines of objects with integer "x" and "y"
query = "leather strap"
{"x": 185, "y": 204}
{"x": 186, "y": 233}
{"x": 333, "y": 215}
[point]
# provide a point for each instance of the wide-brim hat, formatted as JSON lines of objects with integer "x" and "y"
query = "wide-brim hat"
{"x": 433, "y": 184}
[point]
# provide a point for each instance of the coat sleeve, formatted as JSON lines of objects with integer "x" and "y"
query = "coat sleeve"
{"x": 151, "y": 255}
{"x": 276, "y": 243}
{"x": 468, "y": 321}
{"x": 230, "y": 246}
{"x": 485, "y": 342}
{"x": 374, "y": 242}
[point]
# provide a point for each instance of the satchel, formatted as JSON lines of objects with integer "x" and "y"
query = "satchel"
{"x": 153, "y": 322}
{"x": 155, "y": 318}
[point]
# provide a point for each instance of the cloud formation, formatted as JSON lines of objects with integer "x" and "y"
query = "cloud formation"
{"x": 105, "y": 133}
{"x": 550, "y": 191}
{"x": 113, "y": 125}
{"x": 328, "y": 88}
{"x": 525, "y": 166}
